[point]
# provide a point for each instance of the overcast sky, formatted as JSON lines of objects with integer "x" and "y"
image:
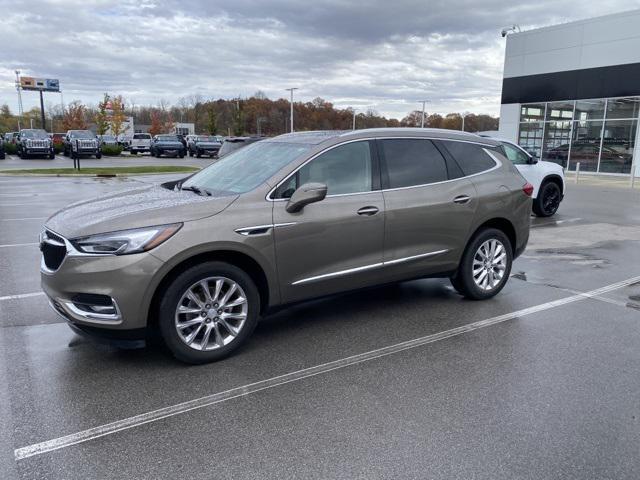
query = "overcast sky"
{"x": 386, "y": 55}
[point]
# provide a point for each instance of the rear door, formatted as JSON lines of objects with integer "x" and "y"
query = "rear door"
{"x": 429, "y": 207}
{"x": 335, "y": 244}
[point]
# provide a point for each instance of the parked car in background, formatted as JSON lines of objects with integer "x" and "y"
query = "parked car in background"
{"x": 168, "y": 145}
{"x": 207, "y": 145}
{"x": 108, "y": 140}
{"x": 283, "y": 220}
{"x": 140, "y": 143}
{"x": 35, "y": 142}
{"x": 11, "y": 137}
{"x": 231, "y": 144}
{"x": 182, "y": 139}
{"x": 547, "y": 178}
{"x": 81, "y": 143}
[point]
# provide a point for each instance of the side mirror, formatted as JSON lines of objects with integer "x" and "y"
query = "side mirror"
{"x": 533, "y": 160}
{"x": 306, "y": 194}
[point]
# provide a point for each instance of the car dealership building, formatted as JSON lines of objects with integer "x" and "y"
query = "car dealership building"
{"x": 571, "y": 93}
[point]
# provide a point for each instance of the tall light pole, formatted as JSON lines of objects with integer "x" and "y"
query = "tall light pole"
{"x": 20, "y": 110}
{"x": 291, "y": 116}
{"x": 424, "y": 102}
{"x": 354, "y": 119}
{"x": 464, "y": 115}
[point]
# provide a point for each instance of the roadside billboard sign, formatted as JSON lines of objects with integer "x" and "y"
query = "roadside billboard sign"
{"x": 40, "y": 84}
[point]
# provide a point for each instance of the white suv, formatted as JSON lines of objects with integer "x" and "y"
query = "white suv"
{"x": 547, "y": 178}
{"x": 141, "y": 142}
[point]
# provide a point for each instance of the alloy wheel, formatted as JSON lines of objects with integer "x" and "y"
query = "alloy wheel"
{"x": 489, "y": 264}
{"x": 211, "y": 313}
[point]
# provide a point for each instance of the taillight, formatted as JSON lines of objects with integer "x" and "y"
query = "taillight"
{"x": 527, "y": 189}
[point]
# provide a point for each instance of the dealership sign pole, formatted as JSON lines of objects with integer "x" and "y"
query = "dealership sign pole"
{"x": 39, "y": 85}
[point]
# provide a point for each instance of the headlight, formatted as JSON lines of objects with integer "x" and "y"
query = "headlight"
{"x": 126, "y": 241}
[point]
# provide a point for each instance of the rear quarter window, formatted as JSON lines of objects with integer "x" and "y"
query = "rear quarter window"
{"x": 411, "y": 162}
{"x": 470, "y": 156}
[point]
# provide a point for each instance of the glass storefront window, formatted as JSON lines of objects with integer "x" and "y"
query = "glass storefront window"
{"x": 589, "y": 110}
{"x": 617, "y": 145}
{"x": 557, "y": 137}
{"x": 623, "y": 108}
{"x": 532, "y": 112}
{"x": 560, "y": 110}
{"x": 585, "y": 145}
{"x": 530, "y": 137}
{"x": 568, "y": 132}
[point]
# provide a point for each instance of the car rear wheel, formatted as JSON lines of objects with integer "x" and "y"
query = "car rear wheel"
{"x": 548, "y": 200}
{"x": 208, "y": 311}
{"x": 485, "y": 265}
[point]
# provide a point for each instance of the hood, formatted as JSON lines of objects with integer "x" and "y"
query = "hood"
{"x": 171, "y": 143}
{"x": 552, "y": 167}
{"x": 141, "y": 207}
{"x": 209, "y": 144}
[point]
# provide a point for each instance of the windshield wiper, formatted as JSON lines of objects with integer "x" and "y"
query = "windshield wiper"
{"x": 198, "y": 190}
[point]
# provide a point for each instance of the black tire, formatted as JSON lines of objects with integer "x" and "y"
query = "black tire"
{"x": 133, "y": 152}
{"x": 182, "y": 155}
{"x": 548, "y": 200}
{"x": 98, "y": 156}
{"x": 198, "y": 154}
{"x": 173, "y": 294}
{"x": 65, "y": 152}
{"x": 463, "y": 280}
{"x": 52, "y": 156}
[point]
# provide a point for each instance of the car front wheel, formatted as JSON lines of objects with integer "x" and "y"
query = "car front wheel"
{"x": 485, "y": 265}
{"x": 548, "y": 200}
{"x": 208, "y": 311}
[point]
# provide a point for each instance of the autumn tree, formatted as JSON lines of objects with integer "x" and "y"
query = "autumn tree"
{"x": 117, "y": 117}
{"x": 74, "y": 117}
{"x": 101, "y": 117}
{"x": 156, "y": 123}
{"x": 212, "y": 119}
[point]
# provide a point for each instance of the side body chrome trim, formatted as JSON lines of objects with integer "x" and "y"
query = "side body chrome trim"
{"x": 261, "y": 229}
{"x": 386, "y": 263}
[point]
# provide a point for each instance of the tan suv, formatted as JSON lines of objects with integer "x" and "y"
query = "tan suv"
{"x": 282, "y": 220}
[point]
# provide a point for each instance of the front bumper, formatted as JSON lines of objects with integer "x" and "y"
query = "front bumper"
{"x": 37, "y": 151}
{"x": 123, "y": 279}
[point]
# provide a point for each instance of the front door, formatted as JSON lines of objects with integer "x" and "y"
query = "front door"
{"x": 335, "y": 244}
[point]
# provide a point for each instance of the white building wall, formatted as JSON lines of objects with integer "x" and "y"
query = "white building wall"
{"x": 596, "y": 42}
{"x": 509, "y": 119}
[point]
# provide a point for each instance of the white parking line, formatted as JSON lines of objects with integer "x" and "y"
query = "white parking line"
{"x": 180, "y": 408}
{"x": 557, "y": 222}
{"x": 18, "y": 245}
{"x": 21, "y": 295}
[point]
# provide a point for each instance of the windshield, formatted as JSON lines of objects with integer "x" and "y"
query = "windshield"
{"x": 82, "y": 134}
{"x": 35, "y": 134}
{"x": 247, "y": 168}
{"x": 108, "y": 137}
{"x": 205, "y": 138}
{"x": 141, "y": 136}
{"x": 168, "y": 138}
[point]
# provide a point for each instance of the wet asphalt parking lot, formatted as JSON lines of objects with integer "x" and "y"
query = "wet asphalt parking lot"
{"x": 407, "y": 381}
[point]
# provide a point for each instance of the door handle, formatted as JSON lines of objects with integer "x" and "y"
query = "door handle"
{"x": 461, "y": 199}
{"x": 368, "y": 211}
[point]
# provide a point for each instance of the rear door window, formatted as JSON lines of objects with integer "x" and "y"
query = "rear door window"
{"x": 470, "y": 156}
{"x": 517, "y": 156}
{"x": 410, "y": 162}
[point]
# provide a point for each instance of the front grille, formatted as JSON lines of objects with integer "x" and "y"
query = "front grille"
{"x": 87, "y": 144}
{"x": 38, "y": 143}
{"x": 53, "y": 250}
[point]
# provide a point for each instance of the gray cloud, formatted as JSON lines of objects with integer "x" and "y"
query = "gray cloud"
{"x": 383, "y": 55}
